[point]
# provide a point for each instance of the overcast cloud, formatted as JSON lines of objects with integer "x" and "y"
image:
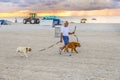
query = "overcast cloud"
{"x": 38, "y": 5}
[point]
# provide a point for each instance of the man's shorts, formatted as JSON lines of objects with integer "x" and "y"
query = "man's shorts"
{"x": 66, "y": 40}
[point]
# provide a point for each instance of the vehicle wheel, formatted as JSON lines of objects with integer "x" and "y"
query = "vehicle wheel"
{"x": 24, "y": 21}
{"x": 38, "y": 21}
{"x": 32, "y": 21}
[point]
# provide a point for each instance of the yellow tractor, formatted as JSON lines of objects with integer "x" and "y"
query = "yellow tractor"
{"x": 32, "y": 19}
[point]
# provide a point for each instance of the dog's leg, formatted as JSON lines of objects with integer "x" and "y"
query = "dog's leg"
{"x": 72, "y": 50}
{"x": 66, "y": 49}
{"x": 62, "y": 47}
{"x": 19, "y": 53}
{"x": 75, "y": 50}
{"x": 25, "y": 54}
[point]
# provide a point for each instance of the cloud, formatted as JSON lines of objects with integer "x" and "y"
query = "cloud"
{"x": 117, "y": 0}
{"x": 4, "y": 0}
{"x": 72, "y": 5}
{"x": 8, "y": 7}
{"x": 116, "y": 4}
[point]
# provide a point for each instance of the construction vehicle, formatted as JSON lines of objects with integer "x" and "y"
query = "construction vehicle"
{"x": 32, "y": 19}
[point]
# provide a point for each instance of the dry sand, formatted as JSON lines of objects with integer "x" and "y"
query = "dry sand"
{"x": 98, "y": 57}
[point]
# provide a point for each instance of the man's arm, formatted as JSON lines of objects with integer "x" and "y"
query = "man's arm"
{"x": 71, "y": 33}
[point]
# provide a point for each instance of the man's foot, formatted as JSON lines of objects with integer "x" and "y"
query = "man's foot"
{"x": 60, "y": 51}
{"x": 69, "y": 54}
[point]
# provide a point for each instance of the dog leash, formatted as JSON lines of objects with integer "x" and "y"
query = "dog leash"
{"x": 75, "y": 34}
{"x": 49, "y": 46}
{"x": 75, "y": 29}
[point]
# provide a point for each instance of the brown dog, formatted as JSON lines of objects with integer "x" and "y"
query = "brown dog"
{"x": 72, "y": 46}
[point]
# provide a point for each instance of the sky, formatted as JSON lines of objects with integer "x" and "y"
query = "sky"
{"x": 9, "y": 8}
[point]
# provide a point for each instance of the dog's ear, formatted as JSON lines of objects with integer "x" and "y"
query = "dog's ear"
{"x": 29, "y": 49}
{"x": 26, "y": 49}
{"x": 77, "y": 44}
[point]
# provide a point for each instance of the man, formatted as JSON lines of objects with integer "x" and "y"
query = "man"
{"x": 64, "y": 35}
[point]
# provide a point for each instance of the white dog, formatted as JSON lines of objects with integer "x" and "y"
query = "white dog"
{"x": 23, "y": 50}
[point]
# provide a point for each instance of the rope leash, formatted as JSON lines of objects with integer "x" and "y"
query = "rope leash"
{"x": 76, "y": 37}
{"x": 49, "y": 46}
{"x": 75, "y": 34}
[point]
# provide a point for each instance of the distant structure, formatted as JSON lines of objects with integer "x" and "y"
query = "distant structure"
{"x": 15, "y": 20}
{"x": 56, "y": 20}
{"x": 93, "y": 18}
{"x": 5, "y": 22}
{"x": 83, "y": 20}
{"x": 50, "y": 20}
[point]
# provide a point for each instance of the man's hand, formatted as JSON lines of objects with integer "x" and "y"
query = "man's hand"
{"x": 73, "y": 32}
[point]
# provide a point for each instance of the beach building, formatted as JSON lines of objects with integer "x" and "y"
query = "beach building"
{"x": 50, "y": 20}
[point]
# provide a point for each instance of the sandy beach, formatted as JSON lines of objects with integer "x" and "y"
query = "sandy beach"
{"x": 98, "y": 57}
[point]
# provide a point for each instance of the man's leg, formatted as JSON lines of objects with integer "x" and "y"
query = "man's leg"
{"x": 66, "y": 40}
